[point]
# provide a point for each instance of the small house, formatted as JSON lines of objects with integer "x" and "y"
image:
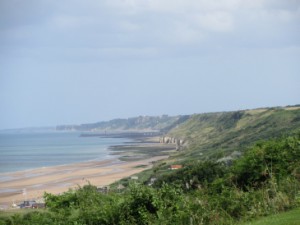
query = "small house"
{"x": 175, "y": 167}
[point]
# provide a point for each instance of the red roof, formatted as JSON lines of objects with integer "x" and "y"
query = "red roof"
{"x": 175, "y": 167}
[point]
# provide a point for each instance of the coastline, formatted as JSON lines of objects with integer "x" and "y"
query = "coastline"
{"x": 59, "y": 179}
{"x": 31, "y": 184}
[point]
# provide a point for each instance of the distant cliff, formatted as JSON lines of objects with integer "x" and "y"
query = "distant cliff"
{"x": 162, "y": 123}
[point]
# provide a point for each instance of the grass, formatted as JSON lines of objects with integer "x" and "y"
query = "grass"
{"x": 287, "y": 218}
{"x": 6, "y": 214}
{"x": 225, "y": 132}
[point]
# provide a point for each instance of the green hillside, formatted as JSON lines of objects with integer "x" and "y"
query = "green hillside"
{"x": 219, "y": 134}
{"x": 142, "y": 123}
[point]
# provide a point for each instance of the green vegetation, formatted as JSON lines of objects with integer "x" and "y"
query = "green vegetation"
{"x": 217, "y": 135}
{"x": 142, "y": 123}
{"x": 264, "y": 181}
{"x": 287, "y": 218}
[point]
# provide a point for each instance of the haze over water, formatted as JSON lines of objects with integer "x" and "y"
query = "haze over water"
{"x": 23, "y": 151}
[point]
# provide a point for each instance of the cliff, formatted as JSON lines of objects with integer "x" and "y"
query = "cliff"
{"x": 220, "y": 134}
{"x": 162, "y": 123}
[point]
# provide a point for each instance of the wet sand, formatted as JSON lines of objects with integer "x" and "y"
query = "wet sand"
{"x": 59, "y": 179}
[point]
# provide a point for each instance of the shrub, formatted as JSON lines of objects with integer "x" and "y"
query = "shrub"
{"x": 141, "y": 206}
{"x": 275, "y": 158}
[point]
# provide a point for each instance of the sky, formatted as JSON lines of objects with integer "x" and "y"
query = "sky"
{"x": 75, "y": 61}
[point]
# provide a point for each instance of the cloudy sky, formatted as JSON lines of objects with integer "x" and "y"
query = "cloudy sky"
{"x": 78, "y": 61}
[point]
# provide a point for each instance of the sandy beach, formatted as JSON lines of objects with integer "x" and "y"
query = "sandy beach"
{"x": 31, "y": 184}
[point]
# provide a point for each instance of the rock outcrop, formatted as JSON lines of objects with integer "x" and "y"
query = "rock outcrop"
{"x": 171, "y": 140}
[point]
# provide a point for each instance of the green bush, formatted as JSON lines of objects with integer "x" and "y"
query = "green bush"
{"x": 275, "y": 158}
{"x": 194, "y": 175}
{"x": 141, "y": 206}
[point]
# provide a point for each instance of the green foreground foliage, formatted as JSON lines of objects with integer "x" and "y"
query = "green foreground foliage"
{"x": 265, "y": 181}
{"x": 287, "y": 218}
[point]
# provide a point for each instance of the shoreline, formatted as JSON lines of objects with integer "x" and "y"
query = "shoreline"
{"x": 59, "y": 179}
{"x": 31, "y": 184}
{"x": 108, "y": 157}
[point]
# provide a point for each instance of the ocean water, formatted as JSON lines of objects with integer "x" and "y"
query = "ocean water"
{"x": 23, "y": 151}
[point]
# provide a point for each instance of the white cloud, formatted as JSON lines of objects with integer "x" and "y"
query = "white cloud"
{"x": 215, "y": 21}
{"x": 123, "y": 25}
{"x": 175, "y": 22}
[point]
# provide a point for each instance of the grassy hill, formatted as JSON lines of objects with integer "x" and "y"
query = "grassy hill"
{"x": 142, "y": 123}
{"x": 208, "y": 135}
{"x": 219, "y": 134}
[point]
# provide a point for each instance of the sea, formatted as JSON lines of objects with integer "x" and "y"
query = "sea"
{"x": 24, "y": 151}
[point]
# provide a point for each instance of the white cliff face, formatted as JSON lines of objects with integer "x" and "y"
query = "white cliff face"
{"x": 171, "y": 140}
